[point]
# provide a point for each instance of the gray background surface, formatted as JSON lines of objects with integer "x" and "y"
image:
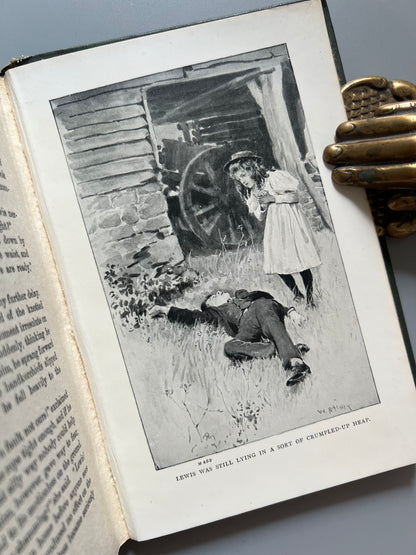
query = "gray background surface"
{"x": 375, "y": 37}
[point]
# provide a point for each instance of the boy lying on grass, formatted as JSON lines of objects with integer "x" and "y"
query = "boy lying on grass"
{"x": 255, "y": 321}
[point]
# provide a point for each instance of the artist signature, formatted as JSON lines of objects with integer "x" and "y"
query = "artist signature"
{"x": 335, "y": 409}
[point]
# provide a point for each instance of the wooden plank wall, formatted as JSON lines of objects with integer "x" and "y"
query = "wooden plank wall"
{"x": 105, "y": 135}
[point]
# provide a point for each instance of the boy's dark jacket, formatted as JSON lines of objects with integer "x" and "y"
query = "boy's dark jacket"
{"x": 227, "y": 315}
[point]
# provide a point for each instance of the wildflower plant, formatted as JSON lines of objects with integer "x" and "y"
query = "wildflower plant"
{"x": 133, "y": 294}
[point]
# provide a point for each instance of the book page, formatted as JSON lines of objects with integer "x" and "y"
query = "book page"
{"x": 189, "y": 163}
{"x": 56, "y": 489}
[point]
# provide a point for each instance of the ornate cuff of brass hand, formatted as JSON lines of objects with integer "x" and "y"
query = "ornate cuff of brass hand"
{"x": 376, "y": 149}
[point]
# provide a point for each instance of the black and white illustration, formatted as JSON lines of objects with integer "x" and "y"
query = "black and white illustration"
{"x": 209, "y": 226}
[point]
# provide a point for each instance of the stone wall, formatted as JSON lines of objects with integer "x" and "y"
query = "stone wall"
{"x": 106, "y": 138}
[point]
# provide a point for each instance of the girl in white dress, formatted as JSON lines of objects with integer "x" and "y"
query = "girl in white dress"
{"x": 287, "y": 244}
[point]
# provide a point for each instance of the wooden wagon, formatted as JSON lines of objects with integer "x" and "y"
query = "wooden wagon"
{"x": 214, "y": 117}
{"x": 198, "y": 123}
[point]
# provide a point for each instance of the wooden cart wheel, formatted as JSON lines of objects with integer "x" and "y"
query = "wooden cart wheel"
{"x": 210, "y": 203}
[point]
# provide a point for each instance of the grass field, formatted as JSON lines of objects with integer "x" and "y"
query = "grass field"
{"x": 194, "y": 402}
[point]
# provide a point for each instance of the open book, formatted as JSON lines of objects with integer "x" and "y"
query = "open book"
{"x": 194, "y": 322}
